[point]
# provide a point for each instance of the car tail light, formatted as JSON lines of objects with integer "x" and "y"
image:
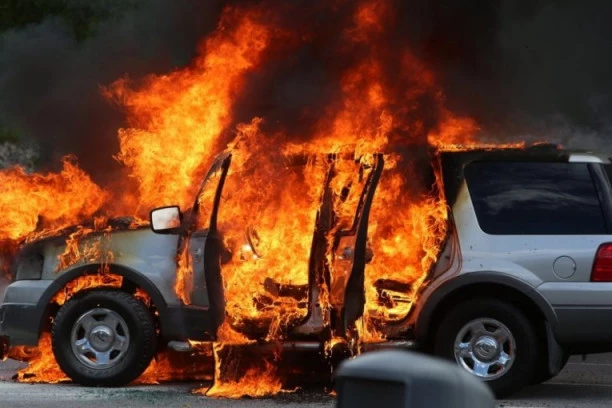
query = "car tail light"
{"x": 602, "y": 267}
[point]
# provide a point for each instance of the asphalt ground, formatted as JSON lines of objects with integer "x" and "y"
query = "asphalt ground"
{"x": 581, "y": 384}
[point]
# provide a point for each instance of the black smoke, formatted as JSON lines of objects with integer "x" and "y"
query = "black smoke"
{"x": 524, "y": 69}
{"x": 50, "y": 82}
{"x": 534, "y": 70}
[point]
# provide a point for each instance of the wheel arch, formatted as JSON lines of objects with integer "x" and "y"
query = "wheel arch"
{"x": 131, "y": 278}
{"x": 481, "y": 284}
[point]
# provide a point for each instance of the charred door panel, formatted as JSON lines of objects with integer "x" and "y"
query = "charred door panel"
{"x": 318, "y": 268}
{"x": 350, "y": 253}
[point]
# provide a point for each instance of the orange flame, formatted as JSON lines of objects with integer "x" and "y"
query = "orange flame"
{"x": 180, "y": 116}
{"x": 42, "y": 366}
{"x": 92, "y": 251}
{"x": 54, "y": 201}
{"x": 169, "y": 366}
{"x": 82, "y": 283}
{"x": 258, "y": 381}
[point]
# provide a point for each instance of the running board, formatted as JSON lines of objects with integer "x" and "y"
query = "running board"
{"x": 399, "y": 344}
{"x": 184, "y": 346}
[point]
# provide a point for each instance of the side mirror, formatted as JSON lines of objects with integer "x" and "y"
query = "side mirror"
{"x": 395, "y": 378}
{"x": 166, "y": 220}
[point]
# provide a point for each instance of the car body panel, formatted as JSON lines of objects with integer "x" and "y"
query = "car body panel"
{"x": 436, "y": 293}
{"x": 528, "y": 257}
{"x": 20, "y": 313}
{"x": 140, "y": 250}
{"x": 554, "y": 271}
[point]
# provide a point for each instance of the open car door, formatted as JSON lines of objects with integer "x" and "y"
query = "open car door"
{"x": 200, "y": 283}
{"x": 335, "y": 264}
{"x": 340, "y": 251}
{"x": 350, "y": 251}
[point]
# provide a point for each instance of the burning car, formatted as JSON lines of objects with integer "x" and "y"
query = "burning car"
{"x": 523, "y": 261}
{"x": 132, "y": 287}
{"x": 406, "y": 234}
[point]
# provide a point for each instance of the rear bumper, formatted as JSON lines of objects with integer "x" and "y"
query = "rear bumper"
{"x": 585, "y": 325}
{"x": 584, "y": 313}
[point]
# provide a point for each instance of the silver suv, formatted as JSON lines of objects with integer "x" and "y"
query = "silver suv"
{"x": 532, "y": 279}
{"x": 522, "y": 281}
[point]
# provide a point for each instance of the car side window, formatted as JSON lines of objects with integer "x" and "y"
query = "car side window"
{"x": 530, "y": 198}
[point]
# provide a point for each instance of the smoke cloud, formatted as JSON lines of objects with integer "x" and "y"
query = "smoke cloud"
{"x": 525, "y": 70}
{"x": 533, "y": 70}
{"x": 50, "y": 83}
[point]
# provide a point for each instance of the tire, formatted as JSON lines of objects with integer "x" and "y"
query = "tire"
{"x": 484, "y": 331}
{"x": 103, "y": 338}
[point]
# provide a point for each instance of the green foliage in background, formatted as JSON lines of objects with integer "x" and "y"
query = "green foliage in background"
{"x": 82, "y": 16}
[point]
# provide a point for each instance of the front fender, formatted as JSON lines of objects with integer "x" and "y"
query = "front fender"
{"x": 169, "y": 327}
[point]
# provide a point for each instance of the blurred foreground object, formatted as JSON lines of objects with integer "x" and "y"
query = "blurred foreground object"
{"x": 404, "y": 379}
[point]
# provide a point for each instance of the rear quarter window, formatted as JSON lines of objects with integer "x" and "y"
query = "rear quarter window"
{"x": 512, "y": 198}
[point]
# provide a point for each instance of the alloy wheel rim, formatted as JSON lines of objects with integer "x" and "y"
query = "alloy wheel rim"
{"x": 485, "y": 348}
{"x": 100, "y": 338}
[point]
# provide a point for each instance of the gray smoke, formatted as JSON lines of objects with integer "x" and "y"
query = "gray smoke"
{"x": 50, "y": 82}
{"x": 527, "y": 69}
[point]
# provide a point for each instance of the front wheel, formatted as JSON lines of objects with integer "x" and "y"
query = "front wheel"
{"x": 103, "y": 338}
{"x": 492, "y": 340}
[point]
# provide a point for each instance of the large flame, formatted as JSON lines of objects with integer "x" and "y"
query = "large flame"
{"x": 178, "y": 118}
{"x": 36, "y": 203}
{"x": 386, "y": 102}
{"x": 271, "y": 237}
{"x": 233, "y": 381}
{"x": 42, "y": 367}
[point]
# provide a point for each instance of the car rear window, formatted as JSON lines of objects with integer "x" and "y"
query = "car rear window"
{"x": 535, "y": 198}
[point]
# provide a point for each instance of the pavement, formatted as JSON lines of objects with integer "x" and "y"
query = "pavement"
{"x": 581, "y": 384}
{"x": 585, "y": 383}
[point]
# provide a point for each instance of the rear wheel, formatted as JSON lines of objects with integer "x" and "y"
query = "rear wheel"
{"x": 492, "y": 340}
{"x": 103, "y": 338}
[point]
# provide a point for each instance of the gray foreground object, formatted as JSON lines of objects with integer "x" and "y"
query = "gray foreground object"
{"x": 402, "y": 379}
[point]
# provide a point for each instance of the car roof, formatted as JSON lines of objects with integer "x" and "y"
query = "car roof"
{"x": 588, "y": 157}
{"x": 519, "y": 152}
